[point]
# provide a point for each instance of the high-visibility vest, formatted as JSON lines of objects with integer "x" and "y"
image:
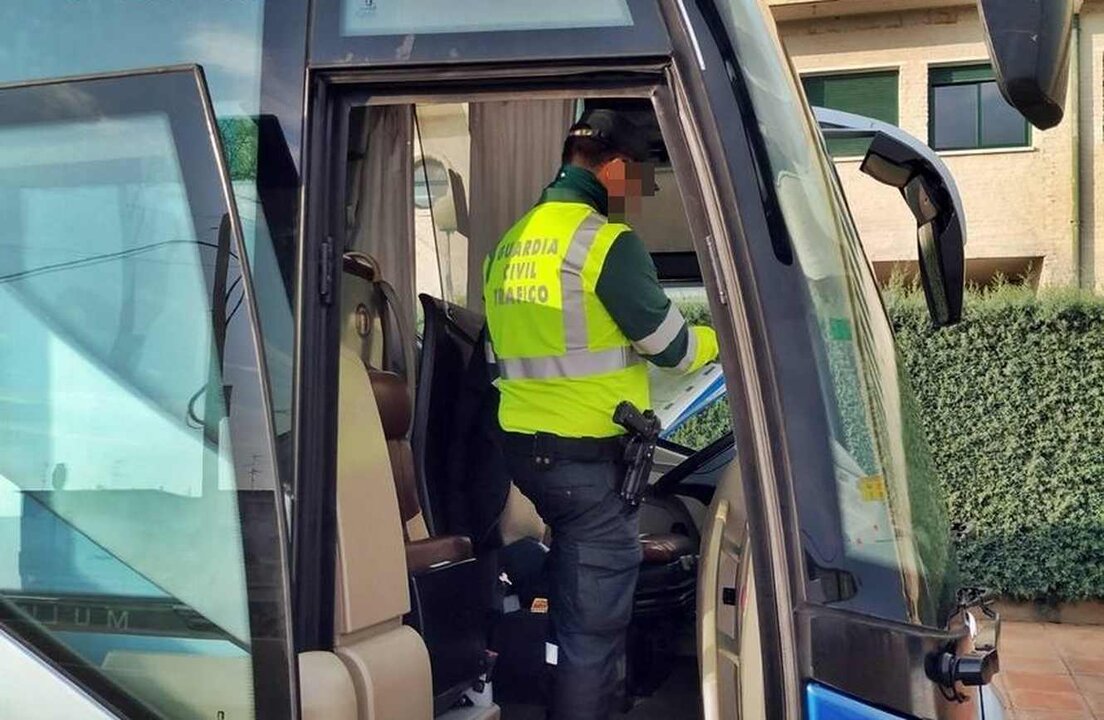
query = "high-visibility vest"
{"x": 563, "y": 363}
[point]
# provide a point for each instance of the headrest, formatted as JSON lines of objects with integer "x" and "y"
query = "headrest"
{"x": 394, "y": 403}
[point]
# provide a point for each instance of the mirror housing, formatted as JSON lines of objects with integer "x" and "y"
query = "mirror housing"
{"x": 1029, "y": 42}
{"x": 940, "y": 228}
{"x": 450, "y": 208}
{"x": 900, "y": 160}
{"x": 459, "y": 202}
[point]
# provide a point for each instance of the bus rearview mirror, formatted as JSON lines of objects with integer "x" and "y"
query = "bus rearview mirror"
{"x": 460, "y": 202}
{"x": 450, "y": 208}
{"x": 886, "y": 171}
{"x": 900, "y": 160}
{"x": 928, "y": 189}
{"x": 1029, "y": 43}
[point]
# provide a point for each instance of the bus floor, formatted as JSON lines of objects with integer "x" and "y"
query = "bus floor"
{"x": 679, "y": 698}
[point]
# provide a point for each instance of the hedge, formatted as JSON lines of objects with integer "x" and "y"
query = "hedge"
{"x": 1012, "y": 404}
{"x": 1013, "y": 407}
{"x": 714, "y": 420}
{"x": 239, "y": 143}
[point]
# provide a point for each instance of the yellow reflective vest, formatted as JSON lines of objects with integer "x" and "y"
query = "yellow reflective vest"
{"x": 563, "y": 363}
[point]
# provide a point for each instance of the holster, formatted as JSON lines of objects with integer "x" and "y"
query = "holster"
{"x": 640, "y": 443}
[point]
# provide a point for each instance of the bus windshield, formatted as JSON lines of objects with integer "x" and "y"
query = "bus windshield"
{"x": 892, "y": 516}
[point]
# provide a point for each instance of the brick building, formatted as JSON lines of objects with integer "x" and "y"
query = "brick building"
{"x": 922, "y": 64}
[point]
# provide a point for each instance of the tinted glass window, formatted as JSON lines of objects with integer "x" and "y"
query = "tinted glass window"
{"x": 1001, "y": 124}
{"x": 892, "y": 526}
{"x": 954, "y": 116}
{"x": 61, "y": 38}
{"x": 134, "y": 436}
{"x": 414, "y": 31}
{"x": 57, "y": 38}
{"x": 442, "y": 172}
{"x": 398, "y": 17}
{"x": 968, "y": 111}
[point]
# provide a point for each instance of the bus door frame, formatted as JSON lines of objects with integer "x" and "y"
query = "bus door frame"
{"x": 682, "y": 106}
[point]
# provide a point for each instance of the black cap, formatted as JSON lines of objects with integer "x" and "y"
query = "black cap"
{"x": 615, "y": 131}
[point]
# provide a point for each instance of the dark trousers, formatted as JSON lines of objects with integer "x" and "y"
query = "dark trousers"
{"x": 593, "y": 566}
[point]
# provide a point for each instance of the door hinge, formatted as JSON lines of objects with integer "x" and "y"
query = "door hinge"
{"x": 326, "y": 271}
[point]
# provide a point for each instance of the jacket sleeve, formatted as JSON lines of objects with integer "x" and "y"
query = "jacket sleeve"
{"x": 630, "y": 291}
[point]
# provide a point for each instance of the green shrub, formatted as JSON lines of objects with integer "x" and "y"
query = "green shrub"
{"x": 1013, "y": 407}
{"x": 705, "y": 427}
{"x": 1012, "y": 404}
{"x": 239, "y": 143}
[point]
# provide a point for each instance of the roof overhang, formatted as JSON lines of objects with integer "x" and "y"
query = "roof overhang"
{"x": 785, "y": 10}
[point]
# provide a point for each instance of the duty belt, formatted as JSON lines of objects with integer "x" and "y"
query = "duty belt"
{"x": 543, "y": 448}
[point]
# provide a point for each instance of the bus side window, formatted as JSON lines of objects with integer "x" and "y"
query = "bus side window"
{"x": 135, "y": 461}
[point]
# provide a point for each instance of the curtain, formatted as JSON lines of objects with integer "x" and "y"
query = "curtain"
{"x": 382, "y": 220}
{"x": 515, "y": 152}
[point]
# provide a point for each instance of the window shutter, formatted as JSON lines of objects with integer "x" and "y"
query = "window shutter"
{"x": 960, "y": 74}
{"x": 873, "y": 94}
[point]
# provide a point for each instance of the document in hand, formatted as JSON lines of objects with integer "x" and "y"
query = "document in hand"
{"x": 676, "y": 398}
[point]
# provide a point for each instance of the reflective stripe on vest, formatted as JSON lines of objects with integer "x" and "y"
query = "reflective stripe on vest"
{"x": 663, "y": 335}
{"x": 571, "y": 282}
{"x": 691, "y": 352}
{"x": 578, "y": 363}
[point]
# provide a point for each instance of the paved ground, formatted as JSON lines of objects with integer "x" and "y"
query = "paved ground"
{"x": 1052, "y": 671}
{"x": 1049, "y": 671}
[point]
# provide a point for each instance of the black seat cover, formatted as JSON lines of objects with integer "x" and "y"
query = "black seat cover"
{"x": 456, "y": 425}
{"x": 477, "y": 466}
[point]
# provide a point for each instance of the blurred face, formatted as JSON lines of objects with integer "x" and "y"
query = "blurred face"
{"x": 626, "y": 182}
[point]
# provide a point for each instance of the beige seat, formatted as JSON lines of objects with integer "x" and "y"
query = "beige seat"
{"x": 358, "y": 681}
{"x": 520, "y": 519}
{"x": 388, "y": 661}
{"x": 326, "y": 689}
{"x": 450, "y": 589}
{"x": 377, "y": 511}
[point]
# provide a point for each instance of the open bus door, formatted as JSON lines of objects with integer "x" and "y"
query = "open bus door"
{"x": 142, "y": 571}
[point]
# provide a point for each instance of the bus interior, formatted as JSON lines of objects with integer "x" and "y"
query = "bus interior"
{"x": 417, "y": 411}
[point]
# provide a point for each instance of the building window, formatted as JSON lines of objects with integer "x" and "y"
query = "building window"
{"x": 967, "y": 111}
{"x": 873, "y": 94}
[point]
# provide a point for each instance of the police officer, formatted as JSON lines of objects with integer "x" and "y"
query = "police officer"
{"x": 574, "y": 308}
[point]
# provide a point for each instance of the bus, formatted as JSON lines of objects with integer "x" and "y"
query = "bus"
{"x": 247, "y": 456}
